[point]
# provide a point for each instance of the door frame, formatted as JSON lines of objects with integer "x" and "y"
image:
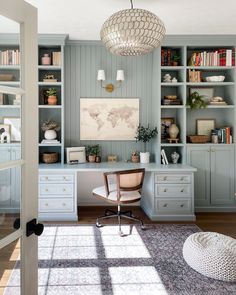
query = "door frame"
{"x": 26, "y": 15}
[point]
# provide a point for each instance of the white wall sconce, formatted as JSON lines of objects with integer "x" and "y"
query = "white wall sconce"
{"x": 111, "y": 87}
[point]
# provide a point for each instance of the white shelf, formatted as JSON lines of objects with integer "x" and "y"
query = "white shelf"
{"x": 49, "y": 83}
{"x": 50, "y": 144}
{"x": 10, "y": 106}
{"x": 172, "y": 84}
{"x": 209, "y": 83}
{"x": 9, "y": 67}
{"x": 172, "y": 106}
{"x": 10, "y": 83}
{"x": 172, "y": 68}
{"x": 172, "y": 144}
{"x": 49, "y": 106}
{"x": 49, "y": 68}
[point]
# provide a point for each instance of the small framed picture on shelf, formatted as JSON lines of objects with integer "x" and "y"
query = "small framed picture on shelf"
{"x": 206, "y": 92}
{"x": 15, "y": 127}
{"x": 165, "y": 124}
{"x": 204, "y": 126}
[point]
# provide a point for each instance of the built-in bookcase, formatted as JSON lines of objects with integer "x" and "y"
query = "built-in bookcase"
{"x": 182, "y": 115}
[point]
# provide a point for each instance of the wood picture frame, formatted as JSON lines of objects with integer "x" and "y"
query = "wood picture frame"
{"x": 165, "y": 124}
{"x": 15, "y": 123}
{"x": 204, "y": 126}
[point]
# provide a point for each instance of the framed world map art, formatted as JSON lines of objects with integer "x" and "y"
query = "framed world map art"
{"x": 108, "y": 118}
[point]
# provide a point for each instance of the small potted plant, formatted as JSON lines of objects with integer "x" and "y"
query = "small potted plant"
{"x": 135, "y": 157}
{"x": 175, "y": 60}
{"x": 50, "y": 129}
{"x": 52, "y": 96}
{"x": 145, "y": 134}
{"x": 195, "y": 101}
{"x": 92, "y": 153}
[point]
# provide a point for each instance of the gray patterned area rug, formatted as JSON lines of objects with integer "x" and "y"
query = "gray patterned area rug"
{"x": 85, "y": 260}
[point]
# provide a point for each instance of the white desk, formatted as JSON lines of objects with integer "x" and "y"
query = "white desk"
{"x": 167, "y": 191}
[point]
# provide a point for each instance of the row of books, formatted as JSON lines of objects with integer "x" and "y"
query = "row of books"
{"x": 9, "y": 57}
{"x": 164, "y": 159}
{"x": 56, "y": 58}
{"x": 223, "y": 135}
{"x": 167, "y": 57}
{"x": 220, "y": 57}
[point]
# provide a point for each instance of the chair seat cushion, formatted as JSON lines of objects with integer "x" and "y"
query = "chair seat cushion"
{"x": 211, "y": 254}
{"x": 126, "y": 196}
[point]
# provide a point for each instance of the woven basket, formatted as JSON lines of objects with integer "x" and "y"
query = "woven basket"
{"x": 50, "y": 157}
{"x": 198, "y": 138}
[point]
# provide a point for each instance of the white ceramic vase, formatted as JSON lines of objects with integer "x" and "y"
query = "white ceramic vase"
{"x": 50, "y": 134}
{"x": 144, "y": 158}
{"x": 173, "y": 131}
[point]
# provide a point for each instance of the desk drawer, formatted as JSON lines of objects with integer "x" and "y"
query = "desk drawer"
{"x": 172, "y": 178}
{"x": 173, "y": 190}
{"x": 56, "y": 205}
{"x": 50, "y": 178}
{"x": 56, "y": 189}
{"x": 175, "y": 206}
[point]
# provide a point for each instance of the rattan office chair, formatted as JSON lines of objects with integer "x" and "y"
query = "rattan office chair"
{"x": 126, "y": 190}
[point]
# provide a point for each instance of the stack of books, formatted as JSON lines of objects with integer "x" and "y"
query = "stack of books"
{"x": 224, "y": 134}
{"x": 50, "y": 141}
{"x": 56, "y": 58}
{"x": 171, "y": 100}
{"x": 9, "y": 57}
{"x": 164, "y": 159}
{"x": 219, "y": 57}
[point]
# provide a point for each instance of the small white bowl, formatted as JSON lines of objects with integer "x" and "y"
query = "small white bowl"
{"x": 215, "y": 79}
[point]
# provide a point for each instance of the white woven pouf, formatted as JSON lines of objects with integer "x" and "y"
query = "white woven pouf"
{"x": 211, "y": 254}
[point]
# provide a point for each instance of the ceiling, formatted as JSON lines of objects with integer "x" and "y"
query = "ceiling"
{"x": 82, "y": 19}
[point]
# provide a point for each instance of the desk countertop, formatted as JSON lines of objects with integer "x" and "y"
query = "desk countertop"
{"x": 106, "y": 166}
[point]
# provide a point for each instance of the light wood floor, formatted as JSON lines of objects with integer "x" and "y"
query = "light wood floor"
{"x": 224, "y": 223}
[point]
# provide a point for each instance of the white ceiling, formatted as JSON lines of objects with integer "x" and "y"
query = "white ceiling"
{"x": 82, "y": 19}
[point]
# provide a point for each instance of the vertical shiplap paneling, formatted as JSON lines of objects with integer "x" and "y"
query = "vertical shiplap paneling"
{"x": 81, "y": 81}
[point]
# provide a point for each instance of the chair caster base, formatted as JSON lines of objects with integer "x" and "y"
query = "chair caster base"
{"x": 99, "y": 225}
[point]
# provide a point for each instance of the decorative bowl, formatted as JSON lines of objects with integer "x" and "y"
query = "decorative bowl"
{"x": 215, "y": 78}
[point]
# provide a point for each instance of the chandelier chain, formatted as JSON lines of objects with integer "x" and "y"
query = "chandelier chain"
{"x": 131, "y": 2}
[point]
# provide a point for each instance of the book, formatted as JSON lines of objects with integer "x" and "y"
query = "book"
{"x": 164, "y": 157}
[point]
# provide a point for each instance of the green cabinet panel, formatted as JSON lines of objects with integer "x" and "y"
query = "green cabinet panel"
{"x": 222, "y": 175}
{"x": 199, "y": 157}
{"x": 214, "y": 180}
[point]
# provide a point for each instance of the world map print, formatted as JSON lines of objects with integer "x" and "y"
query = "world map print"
{"x": 108, "y": 119}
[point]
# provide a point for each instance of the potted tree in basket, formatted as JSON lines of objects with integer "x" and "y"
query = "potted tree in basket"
{"x": 52, "y": 96}
{"x": 145, "y": 134}
{"x": 195, "y": 101}
{"x": 92, "y": 153}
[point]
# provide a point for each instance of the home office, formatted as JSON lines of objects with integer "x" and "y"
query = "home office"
{"x": 165, "y": 108}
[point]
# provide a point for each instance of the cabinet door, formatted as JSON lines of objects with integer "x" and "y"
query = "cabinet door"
{"x": 199, "y": 157}
{"x": 222, "y": 175}
{"x": 15, "y": 179}
{"x": 5, "y": 178}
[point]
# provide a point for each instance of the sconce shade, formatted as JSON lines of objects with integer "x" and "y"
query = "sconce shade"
{"x": 120, "y": 75}
{"x": 101, "y": 75}
{"x": 132, "y": 32}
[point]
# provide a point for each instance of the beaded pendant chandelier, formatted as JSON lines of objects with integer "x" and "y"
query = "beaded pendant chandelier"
{"x": 132, "y": 32}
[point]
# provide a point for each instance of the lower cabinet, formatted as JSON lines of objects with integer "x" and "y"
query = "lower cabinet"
{"x": 57, "y": 195}
{"x": 172, "y": 196}
{"x": 10, "y": 181}
{"x": 214, "y": 179}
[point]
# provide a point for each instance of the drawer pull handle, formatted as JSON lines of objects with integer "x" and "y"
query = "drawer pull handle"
{"x": 182, "y": 179}
{"x": 64, "y": 189}
{"x": 165, "y": 190}
{"x": 64, "y": 204}
{"x": 182, "y": 190}
{"x": 64, "y": 178}
{"x": 165, "y": 178}
{"x": 46, "y": 204}
{"x": 46, "y": 178}
{"x": 182, "y": 205}
{"x": 46, "y": 189}
{"x": 165, "y": 205}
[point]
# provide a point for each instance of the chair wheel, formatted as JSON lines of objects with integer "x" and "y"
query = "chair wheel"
{"x": 143, "y": 227}
{"x": 98, "y": 224}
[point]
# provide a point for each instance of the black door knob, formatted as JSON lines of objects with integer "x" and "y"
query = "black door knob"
{"x": 32, "y": 227}
{"x": 16, "y": 224}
